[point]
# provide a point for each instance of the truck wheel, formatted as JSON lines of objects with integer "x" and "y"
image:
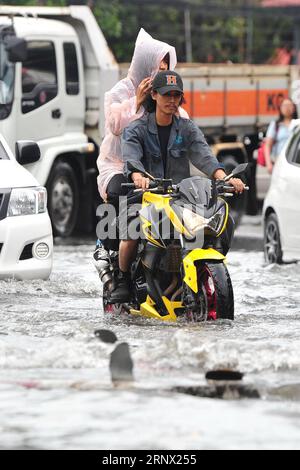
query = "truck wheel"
{"x": 237, "y": 203}
{"x": 63, "y": 199}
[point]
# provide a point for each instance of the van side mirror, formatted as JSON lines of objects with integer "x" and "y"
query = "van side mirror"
{"x": 16, "y": 49}
{"x": 27, "y": 152}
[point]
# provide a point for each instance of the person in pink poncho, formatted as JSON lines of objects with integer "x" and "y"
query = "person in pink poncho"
{"x": 124, "y": 104}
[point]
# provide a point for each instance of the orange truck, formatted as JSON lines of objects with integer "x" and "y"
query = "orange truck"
{"x": 235, "y": 99}
{"x": 233, "y": 105}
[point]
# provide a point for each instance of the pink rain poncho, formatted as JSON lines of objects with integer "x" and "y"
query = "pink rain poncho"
{"x": 120, "y": 103}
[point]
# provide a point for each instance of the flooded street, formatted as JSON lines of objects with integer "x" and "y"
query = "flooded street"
{"x": 55, "y": 387}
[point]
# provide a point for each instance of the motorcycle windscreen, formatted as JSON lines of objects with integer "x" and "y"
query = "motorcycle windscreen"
{"x": 199, "y": 191}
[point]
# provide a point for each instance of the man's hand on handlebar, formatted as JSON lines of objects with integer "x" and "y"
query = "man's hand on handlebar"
{"x": 140, "y": 181}
{"x": 238, "y": 185}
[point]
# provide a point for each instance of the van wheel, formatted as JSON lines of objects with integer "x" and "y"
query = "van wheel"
{"x": 237, "y": 203}
{"x": 63, "y": 199}
{"x": 272, "y": 242}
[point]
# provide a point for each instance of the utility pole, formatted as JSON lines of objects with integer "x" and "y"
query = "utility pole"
{"x": 188, "y": 35}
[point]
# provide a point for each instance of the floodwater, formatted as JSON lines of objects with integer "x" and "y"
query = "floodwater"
{"x": 55, "y": 387}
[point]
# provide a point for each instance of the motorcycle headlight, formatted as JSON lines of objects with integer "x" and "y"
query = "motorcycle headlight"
{"x": 193, "y": 222}
{"x": 27, "y": 201}
{"x": 216, "y": 222}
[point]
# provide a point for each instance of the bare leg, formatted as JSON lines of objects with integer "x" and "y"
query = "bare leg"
{"x": 127, "y": 254}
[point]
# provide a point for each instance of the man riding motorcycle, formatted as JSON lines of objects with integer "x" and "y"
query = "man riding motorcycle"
{"x": 163, "y": 145}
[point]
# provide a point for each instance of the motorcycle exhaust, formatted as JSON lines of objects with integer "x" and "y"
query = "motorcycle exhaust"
{"x": 105, "y": 271}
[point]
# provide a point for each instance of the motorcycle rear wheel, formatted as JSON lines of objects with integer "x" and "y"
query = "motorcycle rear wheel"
{"x": 108, "y": 308}
{"x": 214, "y": 280}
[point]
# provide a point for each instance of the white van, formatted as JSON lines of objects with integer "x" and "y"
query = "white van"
{"x": 26, "y": 242}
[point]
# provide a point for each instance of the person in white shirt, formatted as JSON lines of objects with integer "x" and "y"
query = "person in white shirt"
{"x": 279, "y": 132}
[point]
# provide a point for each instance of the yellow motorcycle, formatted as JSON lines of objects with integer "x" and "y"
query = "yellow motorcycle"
{"x": 180, "y": 270}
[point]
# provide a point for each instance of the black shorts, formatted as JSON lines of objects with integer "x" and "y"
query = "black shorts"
{"x": 126, "y": 214}
{"x": 115, "y": 190}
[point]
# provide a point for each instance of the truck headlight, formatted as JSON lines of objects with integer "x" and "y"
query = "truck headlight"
{"x": 27, "y": 201}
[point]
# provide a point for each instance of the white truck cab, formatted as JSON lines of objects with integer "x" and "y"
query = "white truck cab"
{"x": 26, "y": 244}
{"x": 54, "y": 96}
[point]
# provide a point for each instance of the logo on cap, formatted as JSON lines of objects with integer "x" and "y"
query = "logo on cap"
{"x": 171, "y": 80}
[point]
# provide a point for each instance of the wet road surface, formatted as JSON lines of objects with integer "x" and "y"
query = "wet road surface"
{"x": 55, "y": 387}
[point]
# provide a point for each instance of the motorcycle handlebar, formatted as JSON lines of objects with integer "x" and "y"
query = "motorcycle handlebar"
{"x": 230, "y": 188}
{"x": 152, "y": 185}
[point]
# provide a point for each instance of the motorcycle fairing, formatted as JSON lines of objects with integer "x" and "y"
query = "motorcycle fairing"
{"x": 148, "y": 310}
{"x": 226, "y": 217}
{"x": 147, "y": 228}
{"x": 190, "y": 270}
{"x": 163, "y": 203}
{"x": 199, "y": 190}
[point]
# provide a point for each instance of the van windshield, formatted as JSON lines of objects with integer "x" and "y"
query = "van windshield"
{"x": 7, "y": 79}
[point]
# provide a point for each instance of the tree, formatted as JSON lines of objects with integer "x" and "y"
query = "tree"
{"x": 222, "y": 30}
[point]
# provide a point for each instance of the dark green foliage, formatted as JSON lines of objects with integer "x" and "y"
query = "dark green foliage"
{"x": 221, "y": 34}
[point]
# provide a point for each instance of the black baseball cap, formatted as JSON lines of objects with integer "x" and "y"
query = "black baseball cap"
{"x": 167, "y": 81}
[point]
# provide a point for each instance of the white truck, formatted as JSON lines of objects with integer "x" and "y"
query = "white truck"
{"x": 55, "y": 67}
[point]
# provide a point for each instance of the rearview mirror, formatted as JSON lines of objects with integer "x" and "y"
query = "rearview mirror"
{"x": 240, "y": 169}
{"x": 237, "y": 171}
{"x": 27, "y": 152}
{"x": 16, "y": 49}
